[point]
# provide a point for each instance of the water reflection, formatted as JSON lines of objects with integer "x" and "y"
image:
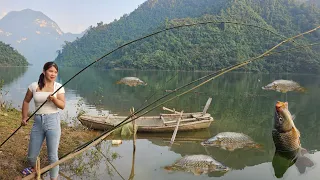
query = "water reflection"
{"x": 282, "y": 161}
{"x": 90, "y": 163}
{"x": 236, "y": 160}
{"x": 10, "y": 74}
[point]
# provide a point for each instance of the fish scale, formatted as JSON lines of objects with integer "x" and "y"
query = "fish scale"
{"x": 197, "y": 164}
{"x": 285, "y": 141}
{"x": 196, "y": 160}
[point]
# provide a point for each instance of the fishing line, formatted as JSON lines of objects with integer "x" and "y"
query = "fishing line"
{"x": 149, "y": 35}
{"x": 107, "y": 159}
{"x": 224, "y": 161}
{"x": 222, "y": 71}
{"x": 205, "y": 148}
{"x": 287, "y": 71}
{"x": 155, "y": 92}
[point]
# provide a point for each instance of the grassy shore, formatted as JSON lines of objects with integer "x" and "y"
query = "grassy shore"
{"x": 14, "y": 152}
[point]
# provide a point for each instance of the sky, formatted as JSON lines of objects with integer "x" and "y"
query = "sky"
{"x": 74, "y": 15}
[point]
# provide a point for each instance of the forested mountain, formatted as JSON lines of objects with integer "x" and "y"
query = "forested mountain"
{"x": 11, "y": 57}
{"x": 203, "y": 47}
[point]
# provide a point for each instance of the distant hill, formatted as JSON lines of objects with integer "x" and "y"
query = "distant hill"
{"x": 208, "y": 47}
{"x": 10, "y": 57}
{"x": 33, "y": 34}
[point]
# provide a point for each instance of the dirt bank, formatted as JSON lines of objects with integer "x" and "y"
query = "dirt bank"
{"x": 13, "y": 153}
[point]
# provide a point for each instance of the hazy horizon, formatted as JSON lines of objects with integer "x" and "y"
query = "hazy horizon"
{"x": 74, "y": 16}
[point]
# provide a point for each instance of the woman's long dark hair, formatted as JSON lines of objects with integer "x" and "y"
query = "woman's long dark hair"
{"x": 46, "y": 66}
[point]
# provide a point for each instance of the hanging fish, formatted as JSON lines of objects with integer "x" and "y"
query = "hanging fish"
{"x": 286, "y": 136}
{"x": 131, "y": 81}
{"x": 197, "y": 164}
{"x": 231, "y": 141}
{"x": 284, "y": 86}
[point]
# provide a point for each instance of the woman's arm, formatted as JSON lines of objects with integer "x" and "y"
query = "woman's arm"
{"x": 25, "y": 107}
{"x": 59, "y": 101}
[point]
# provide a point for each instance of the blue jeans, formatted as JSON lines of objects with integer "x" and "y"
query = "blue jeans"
{"x": 45, "y": 126}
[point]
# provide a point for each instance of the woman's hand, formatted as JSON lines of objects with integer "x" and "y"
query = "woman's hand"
{"x": 58, "y": 101}
{"x": 24, "y": 121}
{"x": 51, "y": 98}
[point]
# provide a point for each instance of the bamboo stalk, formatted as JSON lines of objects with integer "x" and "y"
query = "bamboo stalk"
{"x": 38, "y": 168}
{"x": 171, "y": 110}
{"x": 206, "y": 106}
{"x": 65, "y": 176}
{"x": 185, "y": 120}
{"x": 184, "y": 114}
{"x": 176, "y": 129}
{"x": 172, "y": 115}
{"x": 134, "y": 150}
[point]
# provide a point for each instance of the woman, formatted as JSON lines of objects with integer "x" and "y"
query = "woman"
{"x": 47, "y": 119}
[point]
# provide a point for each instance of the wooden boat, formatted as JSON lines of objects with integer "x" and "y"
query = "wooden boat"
{"x": 162, "y": 123}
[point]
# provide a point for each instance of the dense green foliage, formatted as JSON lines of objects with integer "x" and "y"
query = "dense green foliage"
{"x": 204, "y": 47}
{"x": 11, "y": 57}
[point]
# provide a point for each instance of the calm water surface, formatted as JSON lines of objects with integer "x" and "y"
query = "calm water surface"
{"x": 238, "y": 104}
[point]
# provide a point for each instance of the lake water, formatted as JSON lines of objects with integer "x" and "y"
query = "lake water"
{"x": 238, "y": 104}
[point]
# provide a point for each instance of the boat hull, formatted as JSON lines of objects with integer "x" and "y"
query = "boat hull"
{"x": 147, "y": 124}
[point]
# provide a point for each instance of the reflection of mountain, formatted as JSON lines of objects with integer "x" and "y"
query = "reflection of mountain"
{"x": 10, "y": 74}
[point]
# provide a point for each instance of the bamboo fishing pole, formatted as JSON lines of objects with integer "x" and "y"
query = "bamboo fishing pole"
{"x": 106, "y": 133}
{"x": 144, "y": 37}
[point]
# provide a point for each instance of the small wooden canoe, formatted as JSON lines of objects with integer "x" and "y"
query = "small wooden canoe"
{"x": 161, "y": 123}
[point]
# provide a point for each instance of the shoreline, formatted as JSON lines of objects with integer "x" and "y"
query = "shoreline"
{"x": 208, "y": 71}
{"x": 169, "y": 70}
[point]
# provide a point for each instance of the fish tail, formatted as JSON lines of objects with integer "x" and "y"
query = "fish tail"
{"x": 168, "y": 168}
{"x": 302, "y": 89}
{"x": 302, "y": 163}
{"x": 259, "y": 147}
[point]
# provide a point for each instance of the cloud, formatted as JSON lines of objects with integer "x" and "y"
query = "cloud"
{"x": 2, "y": 14}
{"x": 74, "y": 28}
{"x": 80, "y": 28}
